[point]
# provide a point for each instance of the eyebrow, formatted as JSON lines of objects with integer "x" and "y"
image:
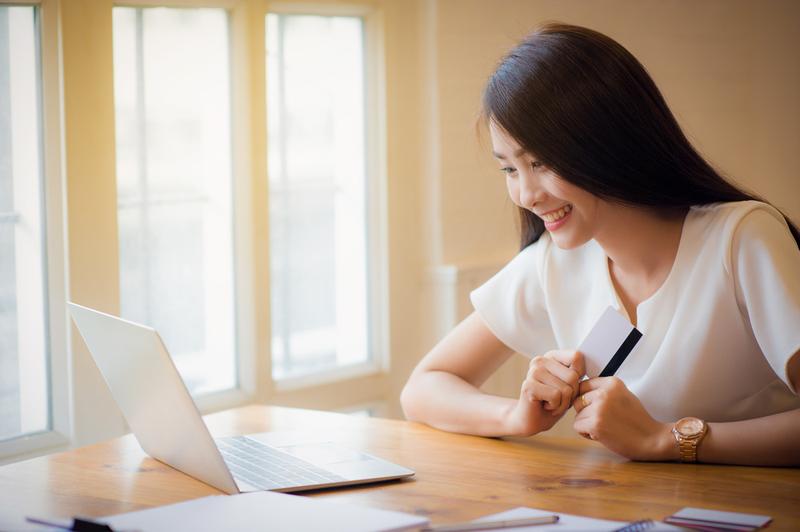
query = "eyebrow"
{"x": 516, "y": 153}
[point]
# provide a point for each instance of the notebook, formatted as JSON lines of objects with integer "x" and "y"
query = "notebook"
{"x": 276, "y": 512}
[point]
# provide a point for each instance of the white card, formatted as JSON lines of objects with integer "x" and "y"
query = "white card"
{"x": 608, "y": 343}
{"x": 568, "y": 523}
{"x": 720, "y": 518}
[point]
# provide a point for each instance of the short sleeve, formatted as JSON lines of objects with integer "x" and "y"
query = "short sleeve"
{"x": 512, "y": 303}
{"x": 766, "y": 268}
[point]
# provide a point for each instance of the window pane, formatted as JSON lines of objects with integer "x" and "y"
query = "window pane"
{"x": 24, "y": 398}
{"x": 317, "y": 162}
{"x": 174, "y": 185}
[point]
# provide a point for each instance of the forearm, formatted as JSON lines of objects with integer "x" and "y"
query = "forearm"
{"x": 773, "y": 440}
{"x": 766, "y": 441}
{"x": 447, "y": 402}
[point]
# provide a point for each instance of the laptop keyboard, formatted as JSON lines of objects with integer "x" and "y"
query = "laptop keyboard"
{"x": 268, "y": 468}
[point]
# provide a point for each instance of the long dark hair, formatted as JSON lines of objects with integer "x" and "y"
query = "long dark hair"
{"x": 590, "y": 111}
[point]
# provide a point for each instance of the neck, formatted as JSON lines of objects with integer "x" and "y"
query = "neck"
{"x": 640, "y": 242}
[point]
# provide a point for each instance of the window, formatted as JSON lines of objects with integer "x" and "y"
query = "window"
{"x": 174, "y": 183}
{"x": 319, "y": 235}
{"x": 24, "y": 401}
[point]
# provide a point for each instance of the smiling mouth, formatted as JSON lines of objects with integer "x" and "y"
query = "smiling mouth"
{"x": 555, "y": 216}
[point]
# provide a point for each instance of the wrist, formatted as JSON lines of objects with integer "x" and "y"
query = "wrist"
{"x": 666, "y": 445}
{"x": 522, "y": 418}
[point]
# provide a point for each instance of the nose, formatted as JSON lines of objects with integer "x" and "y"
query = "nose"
{"x": 530, "y": 190}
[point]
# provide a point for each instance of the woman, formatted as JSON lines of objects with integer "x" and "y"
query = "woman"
{"x": 617, "y": 208}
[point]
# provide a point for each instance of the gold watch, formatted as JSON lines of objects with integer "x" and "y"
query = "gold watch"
{"x": 688, "y": 432}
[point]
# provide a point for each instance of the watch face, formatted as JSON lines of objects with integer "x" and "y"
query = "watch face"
{"x": 689, "y": 426}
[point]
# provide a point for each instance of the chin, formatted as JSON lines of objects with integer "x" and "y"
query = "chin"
{"x": 567, "y": 242}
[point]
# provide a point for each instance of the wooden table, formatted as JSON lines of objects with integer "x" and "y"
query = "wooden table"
{"x": 458, "y": 477}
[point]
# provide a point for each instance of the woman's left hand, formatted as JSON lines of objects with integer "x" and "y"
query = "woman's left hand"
{"x": 609, "y": 413}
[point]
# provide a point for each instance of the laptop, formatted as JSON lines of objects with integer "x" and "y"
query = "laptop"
{"x": 159, "y": 410}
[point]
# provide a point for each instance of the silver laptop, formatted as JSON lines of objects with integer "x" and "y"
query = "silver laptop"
{"x": 155, "y": 402}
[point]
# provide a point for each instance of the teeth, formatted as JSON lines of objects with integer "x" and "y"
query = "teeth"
{"x": 555, "y": 216}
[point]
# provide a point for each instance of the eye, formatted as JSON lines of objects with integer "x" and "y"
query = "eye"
{"x": 537, "y": 164}
{"x": 508, "y": 170}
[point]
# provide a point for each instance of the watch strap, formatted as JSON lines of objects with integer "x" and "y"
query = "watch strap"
{"x": 687, "y": 445}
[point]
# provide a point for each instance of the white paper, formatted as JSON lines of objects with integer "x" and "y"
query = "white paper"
{"x": 718, "y": 516}
{"x": 604, "y": 340}
{"x": 567, "y": 522}
{"x": 265, "y": 510}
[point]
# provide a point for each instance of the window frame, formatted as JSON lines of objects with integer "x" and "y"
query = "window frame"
{"x": 247, "y": 20}
{"x": 216, "y": 400}
{"x": 75, "y": 384}
{"x": 244, "y": 127}
{"x": 58, "y": 433}
{"x": 377, "y": 231}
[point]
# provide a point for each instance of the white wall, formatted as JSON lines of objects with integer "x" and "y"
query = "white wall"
{"x": 728, "y": 69}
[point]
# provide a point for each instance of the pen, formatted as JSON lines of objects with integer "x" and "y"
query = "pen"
{"x": 493, "y": 525}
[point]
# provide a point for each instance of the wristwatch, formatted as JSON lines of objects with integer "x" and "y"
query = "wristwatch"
{"x": 688, "y": 432}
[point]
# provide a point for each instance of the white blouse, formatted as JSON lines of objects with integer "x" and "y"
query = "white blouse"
{"x": 718, "y": 333}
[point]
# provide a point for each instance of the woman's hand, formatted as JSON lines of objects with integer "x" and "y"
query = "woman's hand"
{"x": 548, "y": 391}
{"x": 609, "y": 413}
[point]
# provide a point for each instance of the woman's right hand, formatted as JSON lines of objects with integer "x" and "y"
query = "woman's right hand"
{"x": 547, "y": 392}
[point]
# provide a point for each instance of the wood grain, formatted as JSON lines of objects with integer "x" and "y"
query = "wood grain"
{"x": 458, "y": 477}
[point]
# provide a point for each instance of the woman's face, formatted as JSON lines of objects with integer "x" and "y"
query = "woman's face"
{"x": 570, "y": 214}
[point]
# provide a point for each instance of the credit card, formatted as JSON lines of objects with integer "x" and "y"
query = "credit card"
{"x": 608, "y": 344}
{"x": 704, "y": 519}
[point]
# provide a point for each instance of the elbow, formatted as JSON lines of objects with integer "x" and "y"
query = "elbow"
{"x": 408, "y": 400}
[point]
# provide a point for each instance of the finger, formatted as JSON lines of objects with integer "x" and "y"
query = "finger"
{"x": 597, "y": 383}
{"x": 549, "y": 371}
{"x": 579, "y": 364}
{"x": 569, "y": 358}
{"x": 586, "y": 427}
{"x": 550, "y": 396}
{"x": 568, "y": 390}
{"x": 536, "y": 367}
{"x": 544, "y": 376}
{"x": 585, "y": 400}
{"x": 568, "y": 384}
{"x": 567, "y": 375}
{"x": 558, "y": 369}
{"x": 536, "y": 362}
{"x": 527, "y": 391}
